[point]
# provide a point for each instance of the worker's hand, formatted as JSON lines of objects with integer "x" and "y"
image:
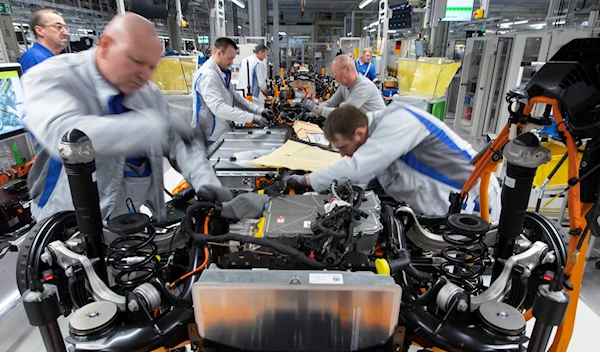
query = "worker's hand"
{"x": 308, "y": 104}
{"x": 212, "y": 193}
{"x": 296, "y": 181}
{"x": 260, "y": 121}
{"x": 268, "y": 114}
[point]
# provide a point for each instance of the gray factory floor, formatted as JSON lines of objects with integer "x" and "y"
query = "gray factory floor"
{"x": 16, "y": 335}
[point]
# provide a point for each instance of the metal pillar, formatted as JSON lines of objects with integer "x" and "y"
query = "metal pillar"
{"x": 174, "y": 34}
{"x": 438, "y": 45}
{"x": 382, "y": 34}
{"x": 254, "y": 18}
{"x": 275, "y": 49}
{"x": 217, "y": 22}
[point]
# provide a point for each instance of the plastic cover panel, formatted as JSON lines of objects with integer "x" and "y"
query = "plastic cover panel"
{"x": 269, "y": 310}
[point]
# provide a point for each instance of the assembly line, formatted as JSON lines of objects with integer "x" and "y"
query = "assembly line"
{"x": 429, "y": 180}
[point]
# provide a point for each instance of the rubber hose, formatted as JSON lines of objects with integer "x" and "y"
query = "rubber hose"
{"x": 187, "y": 289}
{"x": 294, "y": 253}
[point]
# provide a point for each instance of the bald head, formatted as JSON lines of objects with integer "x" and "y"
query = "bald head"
{"x": 343, "y": 60}
{"x": 344, "y": 70}
{"x": 128, "y": 52}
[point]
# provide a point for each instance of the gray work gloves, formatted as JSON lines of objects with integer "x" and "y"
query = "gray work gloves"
{"x": 245, "y": 206}
{"x": 212, "y": 193}
{"x": 296, "y": 181}
{"x": 260, "y": 121}
{"x": 308, "y": 104}
{"x": 268, "y": 114}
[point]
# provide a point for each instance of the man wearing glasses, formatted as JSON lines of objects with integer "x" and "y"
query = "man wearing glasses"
{"x": 51, "y": 37}
{"x": 355, "y": 89}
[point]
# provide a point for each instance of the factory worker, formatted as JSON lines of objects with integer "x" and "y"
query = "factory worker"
{"x": 364, "y": 65}
{"x": 105, "y": 93}
{"x": 414, "y": 156}
{"x": 51, "y": 37}
{"x": 253, "y": 76}
{"x": 354, "y": 89}
{"x": 216, "y": 103}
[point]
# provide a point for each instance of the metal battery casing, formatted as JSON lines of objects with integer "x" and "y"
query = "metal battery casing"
{"x": 231, "y": 155}
{"x": 290, "y": 217}
{"x": 282, "y": 310}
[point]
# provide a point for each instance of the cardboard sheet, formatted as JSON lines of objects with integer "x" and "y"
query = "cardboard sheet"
{"x": 298, "y": 156}
{"x": 303, "y": 129}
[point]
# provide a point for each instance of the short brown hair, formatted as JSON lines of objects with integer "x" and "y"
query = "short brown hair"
{"x": 37, "y": 16}
{"x": 260, "y": 48}
{"x": 223, "y": 43}
{"x": 344, "y": 121}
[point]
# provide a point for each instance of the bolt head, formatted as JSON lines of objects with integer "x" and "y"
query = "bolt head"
{"x": 69, "y": 272}
{"x": 462, "y": 306}
{"x": 46, "y": 257}
{"x": 133, "y": 306}
{"x": 502, "y": 314}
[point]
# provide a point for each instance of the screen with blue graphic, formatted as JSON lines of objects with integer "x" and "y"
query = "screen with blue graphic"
{"x": 12, "y": 107}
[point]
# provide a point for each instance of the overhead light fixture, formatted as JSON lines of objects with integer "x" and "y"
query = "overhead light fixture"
{"x": 240, "y": 27}
{"x": 374, "y": 24}
{"x": 392, "y": 31}
{"x": 239, "y": 3}
{"x": 349, "y": 33}
{"x": 509, "y": 24}
{"x": 364, "y": 3}
{"x": 372, "y": 29}
{"x": 365, "y": 28}
{"x": 281, "y": 33}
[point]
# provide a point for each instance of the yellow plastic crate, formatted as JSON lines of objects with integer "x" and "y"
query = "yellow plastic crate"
{"x": 561, "y": 177}
{"x": 175, "y": 74}
{"x": 425, "y": 77}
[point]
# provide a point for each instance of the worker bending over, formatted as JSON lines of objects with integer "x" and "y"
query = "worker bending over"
{"x": 364, "y": 65}
{"x": 51, "y": 37}
{"x": 105, "y": 93}
{"x": 216, "y": 103}
{"x": 354, "y": 89}
{"x": 253, "y": 76}
{"x": 415, "y": 157}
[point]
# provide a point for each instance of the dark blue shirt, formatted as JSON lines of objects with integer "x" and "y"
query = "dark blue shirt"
{"x": 367, "y": 70}
{"x": 36, "y": 54}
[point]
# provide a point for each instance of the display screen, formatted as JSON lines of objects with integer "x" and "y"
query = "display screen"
{"x": 401, "y": 17}
{"x": 12, "y": 107}
{"x": 458, "y": 10}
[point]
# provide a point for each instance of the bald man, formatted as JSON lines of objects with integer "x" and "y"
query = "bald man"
{"x": 354, "y": 89}
{"x": 105, "y": 93}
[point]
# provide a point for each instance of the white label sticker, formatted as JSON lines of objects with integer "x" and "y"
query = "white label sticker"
{"x": 94, "y": 176}
{"x": 510, "y": 182}
{"x": 326, "y": 279}
{"x": 307, "y": 224}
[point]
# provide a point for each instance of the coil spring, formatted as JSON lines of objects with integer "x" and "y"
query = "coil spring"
{"x": 468, "y": 264}
{"x": 141, "y": 252}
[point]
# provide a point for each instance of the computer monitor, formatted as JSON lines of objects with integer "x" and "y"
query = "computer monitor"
{"x": 12, "y": 105}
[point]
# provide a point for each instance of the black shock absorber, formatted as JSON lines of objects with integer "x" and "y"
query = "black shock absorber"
{"x": 523, "y": 155}
{"x": 77, "y": 154}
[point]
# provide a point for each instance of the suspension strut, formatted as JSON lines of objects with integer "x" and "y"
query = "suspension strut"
{"x": 523, "y": 155}
{"x": 77, "y": 154}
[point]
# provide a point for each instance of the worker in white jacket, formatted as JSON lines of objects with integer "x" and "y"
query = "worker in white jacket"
{"x": 415, "y": 157}
{"x": 216, "y": 103}
{"x": 104, "y": 92}
{"x": 253, "y": 76}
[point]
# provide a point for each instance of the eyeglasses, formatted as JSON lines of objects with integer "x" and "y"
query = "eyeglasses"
{"x": 334, "y": 73}
{"x": 58, "y": 26}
